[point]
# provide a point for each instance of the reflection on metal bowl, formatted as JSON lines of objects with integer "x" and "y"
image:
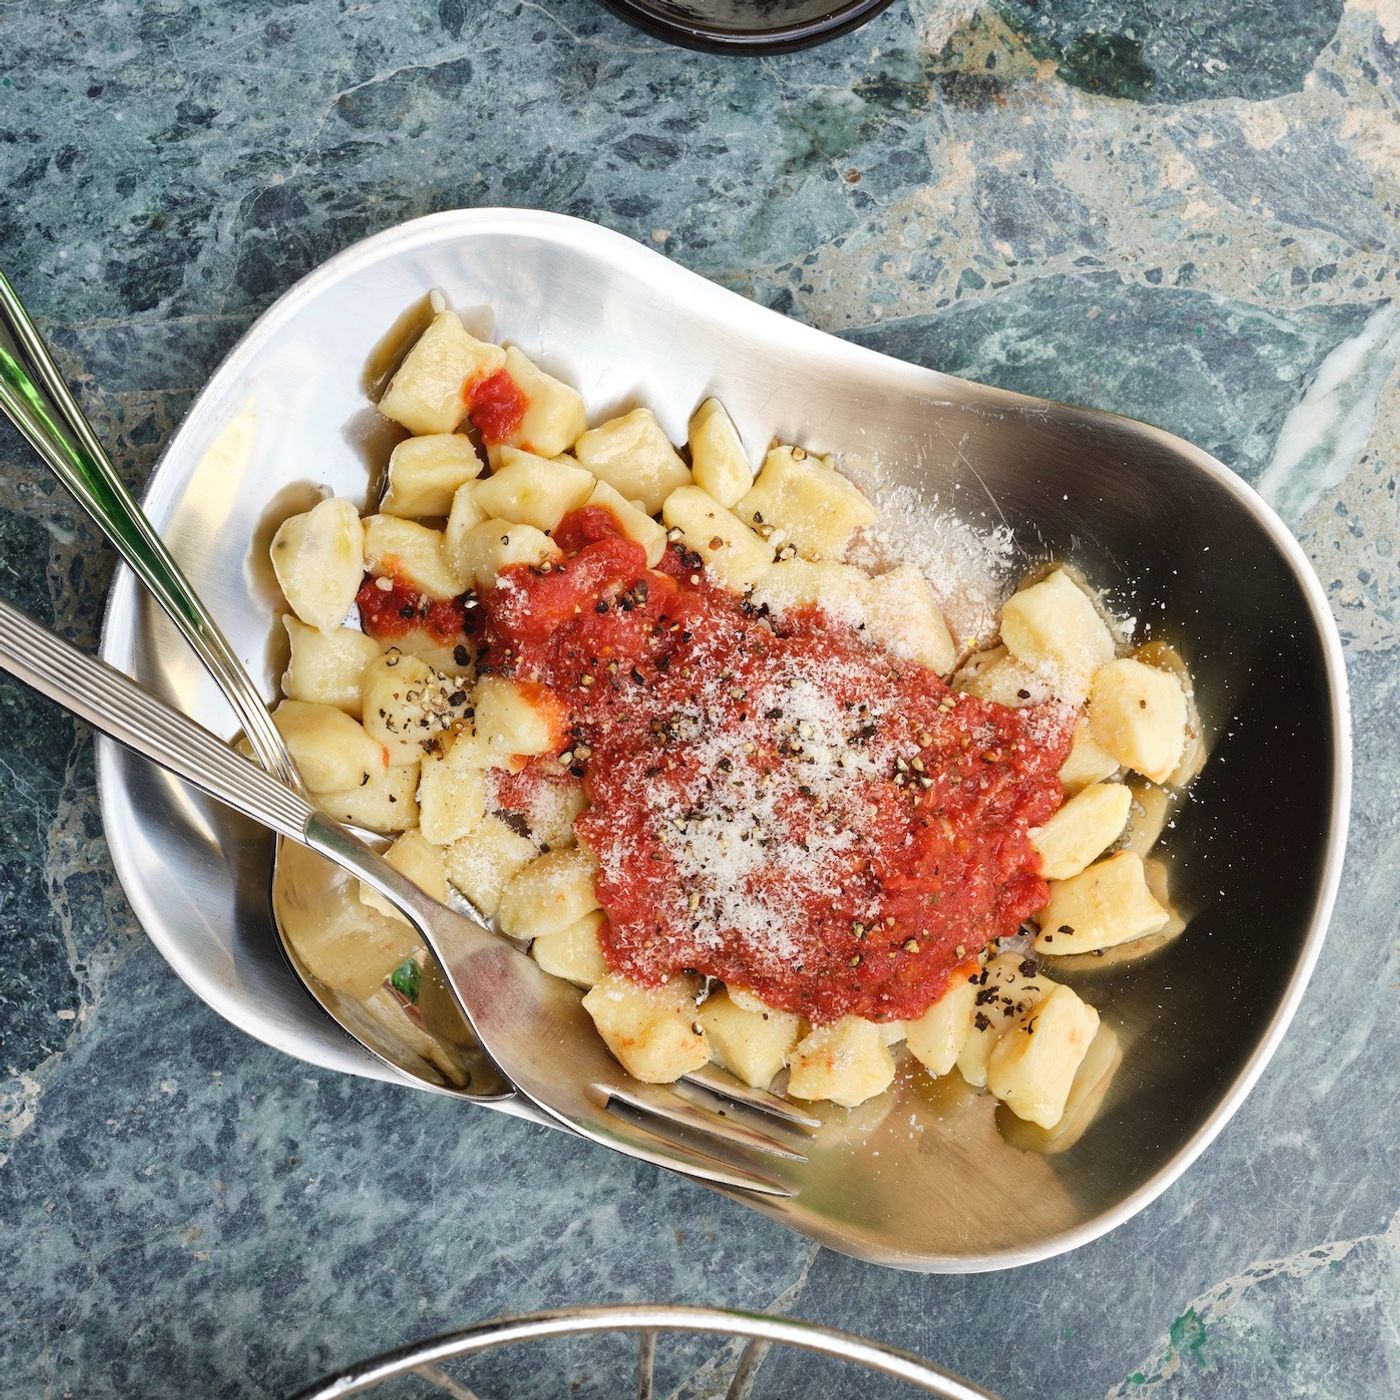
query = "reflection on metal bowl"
{"x": 1163, "y": 528}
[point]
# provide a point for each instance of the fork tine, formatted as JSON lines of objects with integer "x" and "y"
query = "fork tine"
{"x": 760, "y": 1100}
{"x": 644, "y": 1141}
{"x": 667, "y": 1105}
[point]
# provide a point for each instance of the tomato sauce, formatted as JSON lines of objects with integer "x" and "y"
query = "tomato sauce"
{"x": 496, "y": 405}
{"x": 778, "y": 803}
{"x": 386, "y": 613}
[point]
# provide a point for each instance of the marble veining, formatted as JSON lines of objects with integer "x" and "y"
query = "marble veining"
{"x": 1184, "y": 212}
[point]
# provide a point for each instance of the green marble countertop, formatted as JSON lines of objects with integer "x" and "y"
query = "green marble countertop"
{"x": 1183, "y": 212}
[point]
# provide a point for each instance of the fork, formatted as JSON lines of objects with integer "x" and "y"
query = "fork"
{"x": 532, "y": 1026}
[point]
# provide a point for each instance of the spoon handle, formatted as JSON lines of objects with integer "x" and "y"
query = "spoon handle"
{"x": 35, "y": 398}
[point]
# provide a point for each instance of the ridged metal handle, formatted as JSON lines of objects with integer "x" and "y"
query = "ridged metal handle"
{"x": 35, "y": 398}
{"x": 117, "y": 706}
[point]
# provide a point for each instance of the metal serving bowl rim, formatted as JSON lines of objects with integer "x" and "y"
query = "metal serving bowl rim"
{"x": 567, "y": 230}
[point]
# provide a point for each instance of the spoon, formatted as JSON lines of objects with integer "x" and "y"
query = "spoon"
{"x": 35, "y": 398}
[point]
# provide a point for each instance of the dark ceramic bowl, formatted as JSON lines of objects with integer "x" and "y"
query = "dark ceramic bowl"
{"x": 747, "y": 26}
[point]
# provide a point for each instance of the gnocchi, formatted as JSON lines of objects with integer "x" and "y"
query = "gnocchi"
{"x": 427, "y": 394}
{"x": 717, "y": 458}
{"x": 1138, "y": 714}
{"x": 425, "y": 473}
{"x": 1107, "y": 904}
{"x": 654, "y": 1033}
{"x": 846, "y": 1062}
{"x": 553, "y": 415}
{"x": 530, "y": 490}
{"x": 635, "y": 457}
{"x": 325, "y": 667}
{"x": 752, "y": 1042}
{"x": 731, "y": 551}
{"x": 441, "y": 726}
{"x": 804, "y": 501}
{"x": 413, "y": 553}
{"x": 550, "y": 893}
{"x": 331, "y": 751}
{"x": 319, "y": 560}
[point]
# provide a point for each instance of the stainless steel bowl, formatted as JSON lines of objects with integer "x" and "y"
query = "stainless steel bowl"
{"x": 1165, "y": 528}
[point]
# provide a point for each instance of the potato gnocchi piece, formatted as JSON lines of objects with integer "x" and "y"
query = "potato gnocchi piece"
{"x": 904, "y": 617}
{"x": 752, "y": 1043}
{"x": 938, "y": 1036}
{"x": 1086, "y": 1096}
{"x": 573, "y": 953}
{"x": 554, "y": 414}
{"x": 408, "y": 706}
{"x": 1164, "y": 657}
{"x": 552, "y": 813}
{"x": 731, "y": 551}
{"x": 804, "y": 501}
{"x": 635, "y": 457}
{"x": 997, "y": 676}
{"x": 1086, "y": 762}
{"x": 386, "y": 803}
{"x": 549, "y": 894}
{"x": 843, "y": 592}
{"x": 463, "y": 516}
{"x": 1107, "y": 904}
{"x": 1138, "y": 714}
{"x": 654, "y": 1032}
{"x": 846, "y": 1062}
{"x": 319, "y": 560}
{"x": 426, "y": 472}
{"x": 426, "y": 393}
{"x": 1082, "y": 830}
{"x": 1010, "y": 989}
{"x": 634, "y": 522}
{"x": 325, "y": 667}
{"x": 717, "y": 457}
{"x": 451, "y": 794}
{"x": 414, "y": 856}
{"x": 482, "y": 864}
{"x": 518, "y": 717}
{"x": 413, "y": 554}
{"x": 456, "y": 659}
{"x": 1054, "y": 628}
{"x": 532, "y": 490}
{"x": 332, "y": 752}
{"x": 1033, "y": 1063}
{"x": 486, "y": 549}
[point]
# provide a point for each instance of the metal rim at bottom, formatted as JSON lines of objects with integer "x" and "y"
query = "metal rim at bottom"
{"x": 648, "y": 1319}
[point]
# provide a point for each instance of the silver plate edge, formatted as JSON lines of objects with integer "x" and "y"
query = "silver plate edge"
{"x": 570, "y": 230}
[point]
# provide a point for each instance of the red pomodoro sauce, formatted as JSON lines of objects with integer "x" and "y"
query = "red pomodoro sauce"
{"x": 776, "y": 802}
{"x": 496, "y": 405}
{"x": 386, "y": 613}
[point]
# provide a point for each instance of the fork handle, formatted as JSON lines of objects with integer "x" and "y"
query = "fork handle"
{"x": 116, "y": 705}
{"x": 34, "y": 396}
